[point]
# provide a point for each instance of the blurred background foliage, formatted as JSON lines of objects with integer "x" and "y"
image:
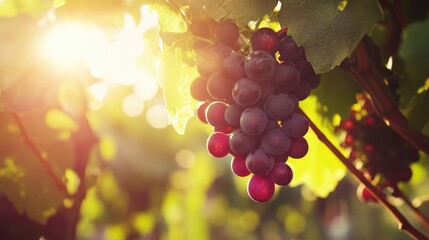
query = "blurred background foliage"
{"x": 78, "y": 75}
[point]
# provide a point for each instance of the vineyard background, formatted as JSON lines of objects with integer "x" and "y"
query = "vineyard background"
{"x": 98, "y": 138}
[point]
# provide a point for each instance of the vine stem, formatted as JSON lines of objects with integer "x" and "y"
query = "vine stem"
{"x": 402, "y": 221}
{"x": 407, "y": 201}
{"x": 372, "y": 81}
{"x": 30, "y": 144}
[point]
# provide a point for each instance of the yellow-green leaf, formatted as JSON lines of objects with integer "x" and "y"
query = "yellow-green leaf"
{"x": 320, "y": 170}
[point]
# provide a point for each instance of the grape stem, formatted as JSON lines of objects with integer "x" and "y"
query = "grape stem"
{"x": 366, "y": 70}
{"x": 403, "y": 223}
{"x": 407, "y": 201}
{"x": 27, "y": 140}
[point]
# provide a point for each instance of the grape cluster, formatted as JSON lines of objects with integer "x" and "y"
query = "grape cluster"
{"x": 382, "y": 155}
{"x": 251, "y": 98}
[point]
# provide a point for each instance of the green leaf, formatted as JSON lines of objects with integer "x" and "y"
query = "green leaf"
{"x": 320, "y": 170}
{"x": 23, "y": 178}
{"x": 415, "y": 52}
{"x": 177, "y": 77}
{"x": 330, "y": 103}
{"x": 203, "y": 9}
{"x": 328, "y": 30}
{"x": 244, "y": 11}
{"x": 413, "y": 90}
{"x": 169, "y": 18}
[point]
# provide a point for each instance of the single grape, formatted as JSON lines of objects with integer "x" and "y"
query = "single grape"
{"x": 232, "y": 114}
{"x": 241, "y": 143}
{"x": 215, "y": 114}
{"x": 201, "y": 111}
{"x": 218, "y": 144}
{"x": 260, "y": 188}
{"x": 199, "y": 89}
{"x": 295, "y": 126}
{"x": 305, "y": 68}
{"x": 267, "y": 90}
{"x": 286, "y": 78}
{"x": 282, "y": 33}
{"x": 364, "y": 194}
{"x": 246, "y": 93}
{"x": 275, "y": 142}
{"x": 210, "y": 58}
{"x": 281, "y": 158}
{"x": 281, "y": 174}
{"x": 238, "y": 166}
{"x": 279, "y": 106}
{"x": 260, "y": 66}
{"x": 302, "y": 91}
{"x": 253, "y": 121}
{"x": 298, "y": 148}
{"x": 200, "y": 28}
{"x": 219, "y": 87}
{"x": 289, "y": 50}
{"x": 233, "y": 66}
{"x": 265, "y": 39}
{"x": 259, "y": 162}
{"x": 314, "y": 81}
{"x": 226, "y": 31}
{"x": 226, "y": 129}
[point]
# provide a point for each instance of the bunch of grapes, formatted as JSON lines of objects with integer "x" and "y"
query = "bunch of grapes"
{"x": 382, "y": 155}
{"x": 251, "y": 100}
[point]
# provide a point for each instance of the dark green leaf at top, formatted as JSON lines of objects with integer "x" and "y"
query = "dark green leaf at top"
{"x": 328, "y": 30}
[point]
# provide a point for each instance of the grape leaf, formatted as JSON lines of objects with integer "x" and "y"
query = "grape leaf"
{"x": 244, "y": 11}
{"x": 320, "y": 170}
{"x": 177, "y": 77}
{"x": 328, "y": 30}
{"x": 415, "y": 54}
{"x": 203, "y": 9}
{"x": 345, "y": 93}
{"x": 23, "y": 178}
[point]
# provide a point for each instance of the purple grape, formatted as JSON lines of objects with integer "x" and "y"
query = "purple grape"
{"x": 232, "y": 114}
{"x": 281, "y": 174}
{"x": 260, "y": 188}
{"x": 218, "y": 144}
{"x": 275, "y": 142}
{"x": 259, "y": 162}
{"x": 265, "y": 39}
{"x": 246, "y": 93}
{"x": 279, "y": 106}
{"x": 289, "y": 50}
{"x": 210, "y": 58}
{"x": 215, "y": 114}
{"x": 241, "y": 143}
{"x": 281, "y": 158}
{"x": 302, "y": 91}
{"x": 272, "y": 125}
{"x": 286, "y": 78}
{"x": 226, "y": 31}
{"x": 306, "y": 70}
{"x": 253, "y": 121}
{"x": 201, "y": 111}
{"x": 298, "y": 148}
{"x": 199, "y": 89}
{"x": 260, "y": 66}
{"x": 219, "y": 87}
{"x": 267, "y": 90}
{"x": 295, "y": 126}
{"x": 238, "y": 166}
{"x": 233, "y": 66}
{"x": 313, "y": 80}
